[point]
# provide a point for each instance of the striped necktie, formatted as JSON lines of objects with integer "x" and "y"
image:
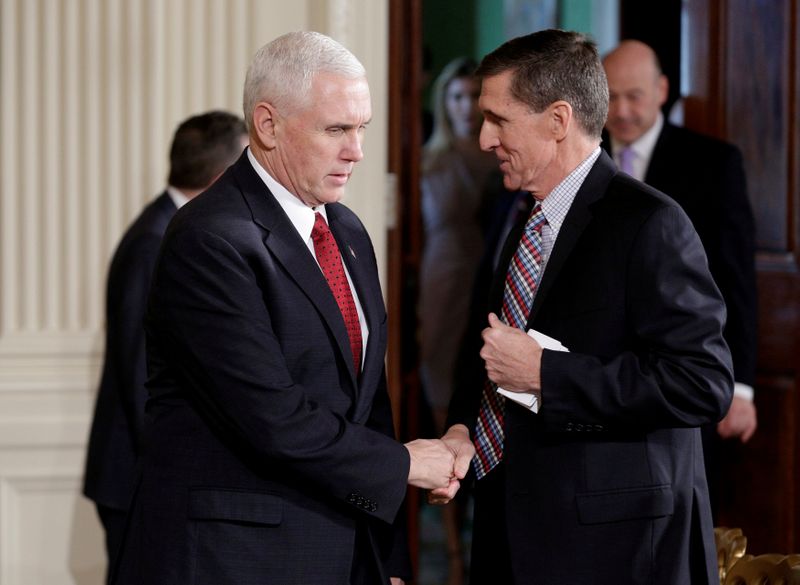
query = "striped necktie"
{"x": 521, "y": 281}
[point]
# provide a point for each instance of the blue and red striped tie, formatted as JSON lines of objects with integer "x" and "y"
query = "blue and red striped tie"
{"x": 521, "y": 281}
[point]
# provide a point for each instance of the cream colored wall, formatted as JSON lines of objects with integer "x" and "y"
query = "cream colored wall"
{"x": 91, "y": 92}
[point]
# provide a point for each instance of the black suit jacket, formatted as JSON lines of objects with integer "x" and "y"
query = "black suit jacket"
{"x": 267, "y": 453}
{"x": 606, "y": 483}
{"x": 119, "y": 410}
{"x": 706, "y": 177}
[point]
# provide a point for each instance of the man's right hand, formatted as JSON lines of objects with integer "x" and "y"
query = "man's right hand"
{"x": 458, "y": 441}
{"x": 431, "y": 464}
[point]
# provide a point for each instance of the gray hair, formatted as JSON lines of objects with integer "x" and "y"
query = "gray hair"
{"x": 552, "y": 65}
{"x": 283, "y": 70}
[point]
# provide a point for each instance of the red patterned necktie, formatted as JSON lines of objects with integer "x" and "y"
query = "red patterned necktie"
{"x": 330, "y": 261}
{"x": 521, "y": 281}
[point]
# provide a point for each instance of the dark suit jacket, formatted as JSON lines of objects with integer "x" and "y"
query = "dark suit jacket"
{"x": 266, "y": 453}
{"x": 706, "y": 177}
{"x": 606, "y": 483}
{"x": 119, "y": 411}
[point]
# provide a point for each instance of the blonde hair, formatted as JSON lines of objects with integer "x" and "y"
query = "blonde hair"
{"x": 442, "y": 137}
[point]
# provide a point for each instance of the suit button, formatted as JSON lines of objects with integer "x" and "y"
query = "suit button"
{"x": 598, "y": 427}
{"x": 351, "y": 498}
{"x": 569, "y": 426}
{"x": 579, "y": 427}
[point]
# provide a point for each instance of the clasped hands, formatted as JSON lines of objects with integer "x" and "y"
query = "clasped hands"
{"x": 439, "y": 465}
{"x": 513, "y": 362}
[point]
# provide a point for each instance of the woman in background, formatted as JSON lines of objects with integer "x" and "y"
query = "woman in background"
{"x": 456, "y": 186}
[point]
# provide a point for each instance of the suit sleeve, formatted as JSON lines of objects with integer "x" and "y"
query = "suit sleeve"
{"x": 674, "y": 368}
{"x": 214, "y": 326}
{"x": 732, "y": 262}
{"x": 393, "y": 541}
{"x": 128, "y": 290}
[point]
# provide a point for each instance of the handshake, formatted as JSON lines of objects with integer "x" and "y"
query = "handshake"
{"x": 439, "y": 465}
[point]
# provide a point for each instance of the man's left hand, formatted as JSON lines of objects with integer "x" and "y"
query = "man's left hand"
{"x": 740, "y": 421}
{"x": 513, "y": 358}
{"x": 457, "y": 439}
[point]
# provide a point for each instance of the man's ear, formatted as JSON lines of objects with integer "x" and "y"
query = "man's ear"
{"x": 560, "y": 118}
{"x": 663, "y": 89}
{"x": 265, "y": 118}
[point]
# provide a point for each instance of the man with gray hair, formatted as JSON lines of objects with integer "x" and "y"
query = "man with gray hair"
{"x": 271, "y": 456}
{"x": 602, "y": 348}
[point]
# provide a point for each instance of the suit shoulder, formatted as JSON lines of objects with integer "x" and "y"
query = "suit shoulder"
{"x": 700, "y": 147}
{"x": 629, "y": 206}
{"x": 212, "y": 210}
{"x": 157, "y": 214}
{"x": 345, "y": 215}
{"x": 626, "y": 192}
{"x": 148, "y": 228}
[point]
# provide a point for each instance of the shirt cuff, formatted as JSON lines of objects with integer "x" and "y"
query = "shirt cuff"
{"x": 743, "y": 391}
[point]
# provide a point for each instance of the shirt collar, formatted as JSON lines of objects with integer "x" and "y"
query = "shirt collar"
{"x": 557, "y": 203}
{"x": 178, "y": 198}
{"x": 301, "y": 216}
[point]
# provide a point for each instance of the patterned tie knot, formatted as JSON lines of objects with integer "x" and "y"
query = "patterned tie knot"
{"x": 320, "y": 229}
{"x": 537, "y": 219}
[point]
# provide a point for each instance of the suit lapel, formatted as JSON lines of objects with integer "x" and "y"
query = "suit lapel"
{"x": 661, "y": 165}
{"x": 357, "y": 255}
{"x": 285, "y": 244}
{"x": 503, "y": 263}
{"x": 578, "y": 217}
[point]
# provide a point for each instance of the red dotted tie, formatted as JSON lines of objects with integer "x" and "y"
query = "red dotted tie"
{"x": 330, "y": 261}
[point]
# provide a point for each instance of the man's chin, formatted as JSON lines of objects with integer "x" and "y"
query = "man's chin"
{"x": 624, "y": 135}
{"x": 333, "y": 195}
{"x": 511, "y": 183}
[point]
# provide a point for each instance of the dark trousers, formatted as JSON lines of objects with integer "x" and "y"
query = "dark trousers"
{"x": 113, "y": 521}
{"x": 365, "y": 569}
{"x": 491, "y": 560}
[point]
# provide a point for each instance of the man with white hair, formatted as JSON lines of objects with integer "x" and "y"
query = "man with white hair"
{"x": 271, "y": 456}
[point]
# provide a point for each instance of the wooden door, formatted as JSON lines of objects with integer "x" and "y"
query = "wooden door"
{"x": 405, "y": 237}
{"x": 744, "y": 59}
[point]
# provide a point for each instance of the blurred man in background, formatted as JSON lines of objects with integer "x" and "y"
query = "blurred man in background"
{"x": 706, "y": 177}
{"x": 202, "y": 148}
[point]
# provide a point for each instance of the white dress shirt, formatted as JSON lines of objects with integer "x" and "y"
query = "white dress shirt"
{"x": 302, "y": 218}
{"x": 642, "y": 149}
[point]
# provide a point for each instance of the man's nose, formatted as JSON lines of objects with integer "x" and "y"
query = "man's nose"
{"x": 353, "y": 150}
{"x": 488, "y": 137}
{"x": 619, "y": 107}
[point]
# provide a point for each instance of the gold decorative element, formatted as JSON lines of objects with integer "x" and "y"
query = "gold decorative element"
{"x": 769, "y": 569}
{"x": 731, "y": 544}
